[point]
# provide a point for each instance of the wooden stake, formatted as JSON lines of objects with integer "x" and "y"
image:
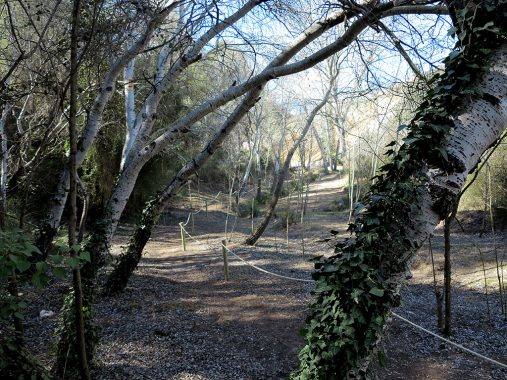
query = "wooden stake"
{"x": 438, "y": 295}
{"x": 183, "y": 240}
{"x": 226, "y": 265}
{"x": 252, "y": 214}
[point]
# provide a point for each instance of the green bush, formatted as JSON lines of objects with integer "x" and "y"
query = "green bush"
{"x": 18, "y": 268}
{"x": 312, "y": 177}
{"x": 247, "y": 208}
{"x": 285, "y": 216}
{"x": 263, "y": 198}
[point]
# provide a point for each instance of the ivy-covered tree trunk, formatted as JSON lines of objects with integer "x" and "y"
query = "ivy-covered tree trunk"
{"x": 128, "y": 261}
{"x": 460, "y": 118}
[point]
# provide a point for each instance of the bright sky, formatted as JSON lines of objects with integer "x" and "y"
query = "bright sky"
{"x": 385, "y": 65}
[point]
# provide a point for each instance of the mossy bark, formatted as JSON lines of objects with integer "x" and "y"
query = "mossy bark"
{"x": 128, "y": 261}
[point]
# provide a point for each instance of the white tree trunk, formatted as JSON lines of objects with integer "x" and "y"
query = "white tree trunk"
{"x": 94, "y": 120}
{"x": 322, "y": 149}
{"x": 253, "y": 152}
{"x": 119, "y": 198}
{"x": 130, "y": 110}
{"x": 475, "y": 130}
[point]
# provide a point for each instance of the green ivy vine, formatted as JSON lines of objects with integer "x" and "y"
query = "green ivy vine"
{"x": 357, "y": 286}
{"x": 19, "y": 268}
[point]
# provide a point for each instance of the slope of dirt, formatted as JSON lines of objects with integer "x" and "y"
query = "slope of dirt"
{"x": 179, "y": 319}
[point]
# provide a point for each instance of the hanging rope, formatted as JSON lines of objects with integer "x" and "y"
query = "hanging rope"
{"x": 264, "y": 270}
{"x": 457, "y": 345}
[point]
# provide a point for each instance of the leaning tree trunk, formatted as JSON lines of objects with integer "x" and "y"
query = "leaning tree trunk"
{"x": 128, "y": 261}
{"x": 357, "y": 287}
{"x": 277, "y": 189}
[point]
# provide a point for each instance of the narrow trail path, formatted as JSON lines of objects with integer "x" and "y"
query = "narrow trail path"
{"x": 179, "y": 319}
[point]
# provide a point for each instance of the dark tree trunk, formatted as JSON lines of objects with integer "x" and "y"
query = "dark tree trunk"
{"x": 44, "y": 241}
{"x": 252, "y": 239}
{"x": 447, "y": 277}
{"x": 78, "y": 322}
{"x": 258, "y": 192}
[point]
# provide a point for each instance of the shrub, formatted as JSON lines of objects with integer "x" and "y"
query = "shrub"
{"x": 285, "y": 216}
{"x": 248, "y": 207}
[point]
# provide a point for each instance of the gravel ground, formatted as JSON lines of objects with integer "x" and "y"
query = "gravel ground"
{"x": 179, "y": 319}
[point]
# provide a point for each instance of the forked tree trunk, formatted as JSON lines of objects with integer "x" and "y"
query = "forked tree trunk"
{"x": 357, "y": 287}
{"x": 252, "y": 239}
{"x": 129, "y": 260}
{"x": 49, "y": 228}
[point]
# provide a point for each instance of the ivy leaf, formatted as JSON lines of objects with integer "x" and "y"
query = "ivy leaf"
{"x": 39, "y": 279}
{"x": 85, "y": 256}
{"x": 20, "y": 262}
{"x": 59, "y": 272}
{"x": 41, "y": 266}
{"x": 377, "y": 292}
{"x": 443, "y": 153}
{"x": 400, "y": 128}
{"x": 56, "y": 259}
{"x": 410, "y": 140}
{"x": 355, "y": 295}
{"x": 73, "y": 262}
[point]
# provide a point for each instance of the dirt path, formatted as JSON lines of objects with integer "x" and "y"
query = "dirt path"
{"x": 179, "y": 319}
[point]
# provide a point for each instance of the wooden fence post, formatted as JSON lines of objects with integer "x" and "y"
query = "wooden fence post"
{"x": 226, "y": 265}
{"x": 183, "y": 240}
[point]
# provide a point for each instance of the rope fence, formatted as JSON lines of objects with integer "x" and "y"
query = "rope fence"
{"x": 264, "y": 270}
{"x": 401, "y": 318}
{"x": 457, "y": 345}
